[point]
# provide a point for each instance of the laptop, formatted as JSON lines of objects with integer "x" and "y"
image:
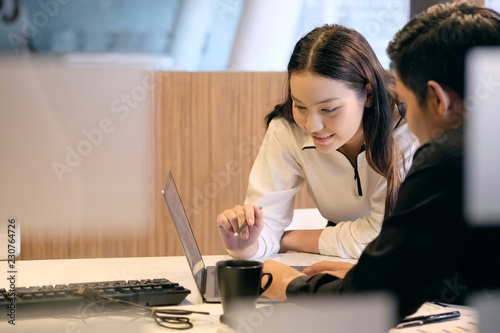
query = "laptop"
{"x": 205, "y": 276}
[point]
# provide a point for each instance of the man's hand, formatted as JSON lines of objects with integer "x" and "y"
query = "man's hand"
{"x": 336, "y": 268}
{"x": 282, "y": 275}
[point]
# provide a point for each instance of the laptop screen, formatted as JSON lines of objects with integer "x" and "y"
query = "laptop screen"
{"x": 181, "y": 221}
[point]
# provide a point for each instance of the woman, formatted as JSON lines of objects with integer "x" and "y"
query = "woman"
{"x": 340, "y": 132}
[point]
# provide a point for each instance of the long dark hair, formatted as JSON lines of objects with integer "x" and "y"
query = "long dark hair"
{"x": 340, "y": 53}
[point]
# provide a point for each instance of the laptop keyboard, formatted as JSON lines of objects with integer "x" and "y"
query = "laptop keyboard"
{"x": 216, "y": 287}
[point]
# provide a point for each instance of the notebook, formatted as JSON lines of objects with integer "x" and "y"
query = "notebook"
{"x": 205, "y": 276}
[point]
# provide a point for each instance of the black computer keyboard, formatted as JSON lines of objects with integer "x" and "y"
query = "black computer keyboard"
{"x": 64, "y": 299}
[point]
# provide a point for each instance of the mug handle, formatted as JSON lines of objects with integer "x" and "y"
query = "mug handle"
{"x": 268, "y": 283}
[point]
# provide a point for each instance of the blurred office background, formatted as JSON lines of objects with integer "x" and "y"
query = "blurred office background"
{"x": 77, "y": 132}
{"x": 193, "y": 35}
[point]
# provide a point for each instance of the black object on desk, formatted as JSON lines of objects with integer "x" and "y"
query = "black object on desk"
{"x": 422, "y": 320}
{"x": 63, "y": 299}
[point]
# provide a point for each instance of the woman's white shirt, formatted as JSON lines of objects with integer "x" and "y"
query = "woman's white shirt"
{"x": 288, "y": 159}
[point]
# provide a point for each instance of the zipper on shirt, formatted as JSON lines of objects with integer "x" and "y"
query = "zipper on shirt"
{"x": 355, "y": 167}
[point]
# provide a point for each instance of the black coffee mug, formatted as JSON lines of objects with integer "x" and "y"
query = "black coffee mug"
{"x": 240, "y": 284}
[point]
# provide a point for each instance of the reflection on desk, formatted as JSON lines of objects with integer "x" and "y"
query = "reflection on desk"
{"x": 175, "y": 269}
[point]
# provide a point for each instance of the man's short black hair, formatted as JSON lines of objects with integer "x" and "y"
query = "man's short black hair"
{"x": 434, "y": 44}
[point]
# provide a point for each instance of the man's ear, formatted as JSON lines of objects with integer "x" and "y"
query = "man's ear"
{"x": 369, "y": 95}
{"x": 438, "y": 99}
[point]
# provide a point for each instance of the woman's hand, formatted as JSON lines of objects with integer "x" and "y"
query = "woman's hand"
{"x": 245, "y": 244}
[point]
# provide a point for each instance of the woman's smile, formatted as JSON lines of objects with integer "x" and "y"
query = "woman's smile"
{"x": 322, "y": 139}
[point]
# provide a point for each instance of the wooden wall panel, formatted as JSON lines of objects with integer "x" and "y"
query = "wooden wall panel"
{"x": 218, "y": 120}
{"x": 206, "y": 127}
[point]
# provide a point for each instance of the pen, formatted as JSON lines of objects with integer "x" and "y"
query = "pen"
{"x": 422, "y": 320}
{"x": 243, "y": 226}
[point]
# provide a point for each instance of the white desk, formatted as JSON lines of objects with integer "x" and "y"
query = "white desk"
{"x": 175, "y": 269}
{"x": 51, "y": 272}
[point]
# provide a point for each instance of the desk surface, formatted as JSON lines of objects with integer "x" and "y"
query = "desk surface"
{"x": 51, "y": 272}
{"x": 176, "y": 269}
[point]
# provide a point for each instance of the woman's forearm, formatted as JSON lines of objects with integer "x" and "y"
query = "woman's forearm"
{"x": 301, "y": 241}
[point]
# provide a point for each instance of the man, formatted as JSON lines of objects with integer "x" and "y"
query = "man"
{"x": 425, "y": 250}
